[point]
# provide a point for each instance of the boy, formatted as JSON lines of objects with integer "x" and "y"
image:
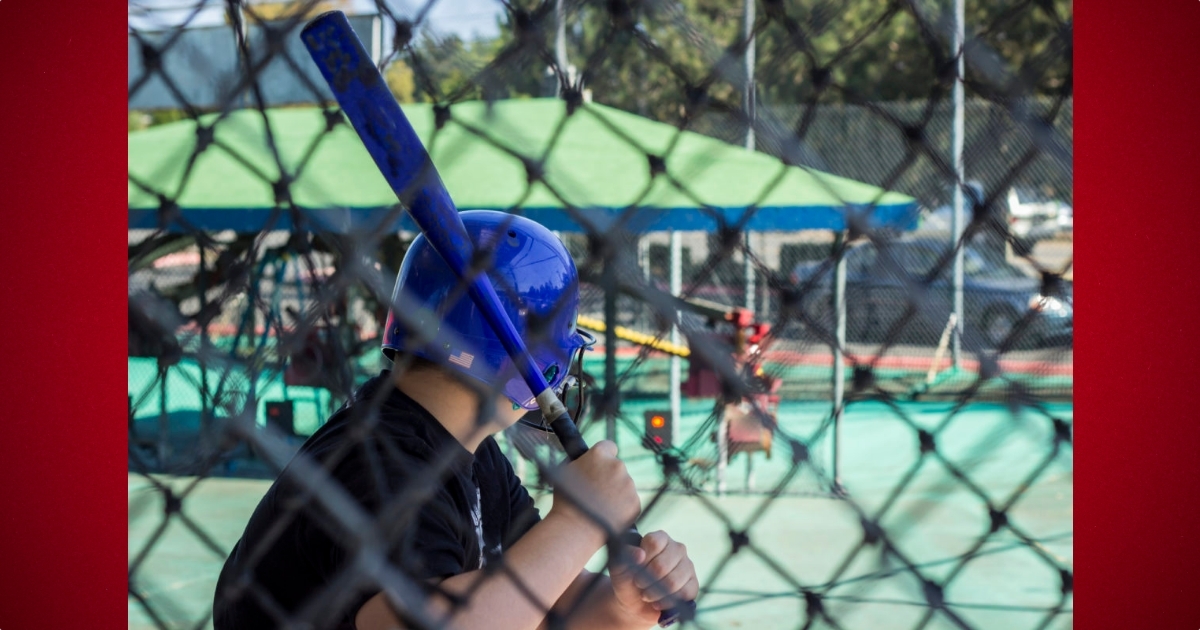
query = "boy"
{"x": 414, "y": 447}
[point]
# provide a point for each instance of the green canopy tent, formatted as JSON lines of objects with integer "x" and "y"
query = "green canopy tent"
{"x": 575, "y": 173}
{"x": 598, "y": 162}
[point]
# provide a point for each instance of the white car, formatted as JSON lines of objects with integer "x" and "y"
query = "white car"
{"x": 1030, "y": 216}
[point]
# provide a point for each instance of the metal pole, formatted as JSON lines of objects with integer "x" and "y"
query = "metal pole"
{"x": 233, "y": 10}
{"x": 644, "y": 257}
{"x": 749, "y": 486}
{"x": 207, "y": 412}
{"x": 748, "y": 107}
{"x": 560, "y": 43}
{"x": 748, "y": 272}
{"x": 645, "y": 311}
{"x": 164, "y": 419}
{"x": 722, "y": 453}
{"x": 956, "y": 218}
{"x": 839, "y": 361}
{"x": 748, "y": 67}
{"x": 676, "y": 378}
{"x": 608, "y": 277}
{"x": 376, "y": 39}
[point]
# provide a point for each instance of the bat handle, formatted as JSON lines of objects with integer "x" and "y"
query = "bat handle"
{"x": 566, "y": 431}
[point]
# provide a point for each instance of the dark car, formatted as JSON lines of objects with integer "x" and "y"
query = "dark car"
{"x": 883, "y": 281}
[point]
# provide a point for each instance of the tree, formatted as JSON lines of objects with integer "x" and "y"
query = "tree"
{"x": 448, "y": 69}
{"x": 662, "y": 58}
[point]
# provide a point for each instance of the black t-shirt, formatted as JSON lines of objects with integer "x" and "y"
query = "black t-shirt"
{"x": 296, "y": 554}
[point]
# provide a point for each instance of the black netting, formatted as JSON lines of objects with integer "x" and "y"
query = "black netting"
{"x": 895, "y": 463}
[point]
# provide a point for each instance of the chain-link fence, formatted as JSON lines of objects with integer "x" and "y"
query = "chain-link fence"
{"x": 836, "y": 442}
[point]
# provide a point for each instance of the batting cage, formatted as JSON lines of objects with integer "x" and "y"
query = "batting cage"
{"x": 394, "y": 266}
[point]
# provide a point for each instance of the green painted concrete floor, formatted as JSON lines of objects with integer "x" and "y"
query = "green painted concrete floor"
{"x": 805, "y": 532}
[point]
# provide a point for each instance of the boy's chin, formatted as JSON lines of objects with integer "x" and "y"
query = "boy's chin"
{"x": 506, "y": 416}
{"x": 517, "y": 415}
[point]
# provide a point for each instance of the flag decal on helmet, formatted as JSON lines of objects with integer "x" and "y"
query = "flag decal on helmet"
{"x": 463, "y": 358}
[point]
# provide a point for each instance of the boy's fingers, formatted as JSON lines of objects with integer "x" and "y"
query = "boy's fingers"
{"x": 679, "y": 584}
{"x": 655, "y": 542}
{"x": 606, "y": 447}
{"x": 686, "y": 594}
{"x": 692, "y": 590}
{"x": 624, "y": 565}
{"x": 661, "y": 565}
{"x": 666, "y": 575}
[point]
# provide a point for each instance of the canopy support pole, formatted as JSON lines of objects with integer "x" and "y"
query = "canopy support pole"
{"x": 839, "y": 361}
{"x": 611, "y": 404}
{"x": 748, "y": 272}
{"x": 676, "y": 378}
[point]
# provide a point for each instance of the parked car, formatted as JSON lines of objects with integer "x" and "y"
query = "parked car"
{"x": 1029, "y": 215}
{"x": 882, "y": 281}
{"x": 1034, "y": 216}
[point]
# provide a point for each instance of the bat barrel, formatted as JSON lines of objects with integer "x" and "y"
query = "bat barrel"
{"x": 386, "y": 133}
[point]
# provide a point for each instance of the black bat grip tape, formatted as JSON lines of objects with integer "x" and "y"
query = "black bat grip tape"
{"x": 567, "y": 433}
{"x": 565, "y": 430}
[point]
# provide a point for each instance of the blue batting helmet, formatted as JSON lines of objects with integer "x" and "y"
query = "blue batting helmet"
{"x": 535, "y": 279}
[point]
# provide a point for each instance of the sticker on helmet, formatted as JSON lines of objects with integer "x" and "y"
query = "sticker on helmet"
{"x": 463, "y": 358}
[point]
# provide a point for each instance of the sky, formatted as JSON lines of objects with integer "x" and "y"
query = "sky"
{"x": 467, "y": 19}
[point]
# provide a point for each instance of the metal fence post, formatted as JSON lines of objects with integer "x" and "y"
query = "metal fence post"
{"x": 839, "y": 361}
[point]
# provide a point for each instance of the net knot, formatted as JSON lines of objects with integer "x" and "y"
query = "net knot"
{"x": 738, "y": 539}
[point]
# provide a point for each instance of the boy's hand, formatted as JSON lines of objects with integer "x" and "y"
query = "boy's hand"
{"x": 663, "y": 578}
{"x": 601, "y": 485}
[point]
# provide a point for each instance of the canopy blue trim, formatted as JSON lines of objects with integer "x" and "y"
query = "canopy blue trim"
{"x": 901, "y": 217}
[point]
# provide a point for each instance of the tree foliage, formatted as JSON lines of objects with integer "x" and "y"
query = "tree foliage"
{"x": 447, "y": 69}
{"x": 660, "y": 58}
